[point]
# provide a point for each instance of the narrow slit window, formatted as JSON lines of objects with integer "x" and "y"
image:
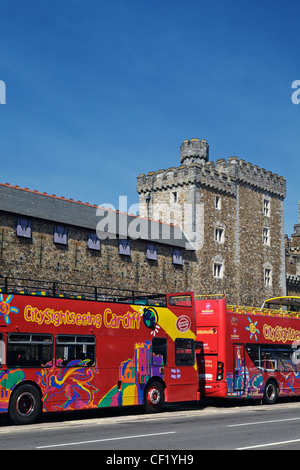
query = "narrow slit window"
{"x": 218, "y": 203}
{"x": 218, "y": 270}
{"x": 219, "y": 235}
{"x": 266, "y": 236}
{"x": 266, "y": 208}
{"x": 268, "y": 277}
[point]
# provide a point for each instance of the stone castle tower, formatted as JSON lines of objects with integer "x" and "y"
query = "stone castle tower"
{"x": 231, "y": 212}
{"x": 194, "y": 151}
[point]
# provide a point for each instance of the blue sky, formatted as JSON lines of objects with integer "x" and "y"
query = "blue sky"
{"x": 99, "y": 91}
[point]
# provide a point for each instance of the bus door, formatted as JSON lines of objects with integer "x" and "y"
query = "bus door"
{"x": 239, "y": 367}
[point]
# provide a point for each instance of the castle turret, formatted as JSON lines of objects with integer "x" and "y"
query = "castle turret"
{"x": 194, "y": 151}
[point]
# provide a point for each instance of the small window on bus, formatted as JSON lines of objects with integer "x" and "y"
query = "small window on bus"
{"x": 180, "y": 300}
{"x": 270, "y": 358}
{"x": 29, "y": 350}
{"x": 159, "y": 352}
{"x": 75, "y": 350}
{"x": 184, "y": 352}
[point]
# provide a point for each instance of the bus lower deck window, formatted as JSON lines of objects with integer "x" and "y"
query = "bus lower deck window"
{"x": 184, "y": 352}
{"x": 159, "y": 351}
{"x": 75, "y": 350}
{"x": 29, "y": 350}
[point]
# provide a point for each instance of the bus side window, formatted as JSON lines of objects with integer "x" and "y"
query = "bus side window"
{"x": 29, "y": 350}
{"x": 75, "y": 350}
{"x": 184, "y": 352}
{"x": 159, "y": 352}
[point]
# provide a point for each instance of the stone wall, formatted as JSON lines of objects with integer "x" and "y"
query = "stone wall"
{"x": 40, "y": 258}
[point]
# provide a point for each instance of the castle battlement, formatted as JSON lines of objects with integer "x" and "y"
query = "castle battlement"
{"x": 183, "y": 175}
{"x": 222, "y": 175}
{"x": 194, "y": 151}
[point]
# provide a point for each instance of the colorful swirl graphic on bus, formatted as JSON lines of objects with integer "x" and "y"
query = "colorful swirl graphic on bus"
{"x": 6, "y": 309}
{"x": 71, "y": 387}
{"x": 8, "y": 380}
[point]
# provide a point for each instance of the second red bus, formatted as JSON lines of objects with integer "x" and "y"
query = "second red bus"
{"x": 247, "y": 352}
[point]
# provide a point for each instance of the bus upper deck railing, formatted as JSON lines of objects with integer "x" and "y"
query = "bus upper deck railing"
{"x": 209, "y": 296}
{"x": 269, "y": 312}
{"x": 57, "y": 289}
{"x": 242, "y": 309}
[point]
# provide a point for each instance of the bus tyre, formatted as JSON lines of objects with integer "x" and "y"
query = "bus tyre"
{"x": 25, "y": 405}
{"x": 271, "y": 393}
{"x": 154, "y": 397}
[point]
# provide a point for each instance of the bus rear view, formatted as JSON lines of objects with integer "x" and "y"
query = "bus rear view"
{"x": 211, "y": 345}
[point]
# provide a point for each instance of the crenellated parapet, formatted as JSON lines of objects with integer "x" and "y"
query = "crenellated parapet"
{"x": 222, "y": 176}
{"x": 194, "y": 151}
{"x": 205, "y": 175}
{"x": 252, "y": 175}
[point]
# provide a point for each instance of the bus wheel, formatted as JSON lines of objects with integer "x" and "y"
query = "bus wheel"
{"x": 154, "y": 397}
{"x": 271, "y": 393}
{"x": 25, "y": 405}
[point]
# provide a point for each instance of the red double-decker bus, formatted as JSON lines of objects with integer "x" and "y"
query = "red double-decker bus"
{"x": 61, "y": 349}
{"x": 248, "y": 352}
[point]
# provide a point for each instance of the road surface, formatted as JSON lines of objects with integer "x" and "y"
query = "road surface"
{"x": 176, "y": 433}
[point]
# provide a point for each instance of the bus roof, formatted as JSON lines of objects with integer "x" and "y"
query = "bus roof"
{"x": 288, "y": 300}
